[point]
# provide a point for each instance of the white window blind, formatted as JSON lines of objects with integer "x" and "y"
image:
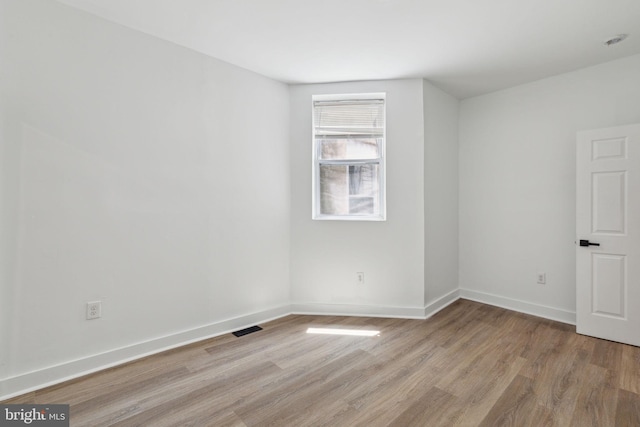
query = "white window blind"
{"x": 349, "y": 119}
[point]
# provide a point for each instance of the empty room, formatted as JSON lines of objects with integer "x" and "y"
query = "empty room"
{"x": 320, "y": 213}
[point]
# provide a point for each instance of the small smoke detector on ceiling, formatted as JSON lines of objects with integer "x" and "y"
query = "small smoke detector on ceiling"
{"x": 615, "y": 39}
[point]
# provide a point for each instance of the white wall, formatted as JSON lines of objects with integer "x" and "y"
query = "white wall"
{"x": 517, "y": 181}
{"x": 141, "y": 174}
{"x": 5, "y": 211}
{"x": 441, "y": 112}
{"x": 325, "y": 255}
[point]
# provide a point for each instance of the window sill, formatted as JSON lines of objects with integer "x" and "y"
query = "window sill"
{"x": 348, "y": 218}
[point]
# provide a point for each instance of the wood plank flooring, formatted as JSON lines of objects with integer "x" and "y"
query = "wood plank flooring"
{"x": 469, "y": 365}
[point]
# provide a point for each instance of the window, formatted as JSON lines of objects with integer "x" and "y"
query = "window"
{"x": 348, "y": 157}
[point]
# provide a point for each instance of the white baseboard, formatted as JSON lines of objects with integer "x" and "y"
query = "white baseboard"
{"x": 30, "y": 381}
{"x": 544, "y": 311}
{"x": 357, "y": 310}
{"x": 364, "y": 310}
{"x": 441, "y": 303}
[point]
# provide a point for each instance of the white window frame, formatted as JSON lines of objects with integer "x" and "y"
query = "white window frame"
{"x": 381, "y": 161}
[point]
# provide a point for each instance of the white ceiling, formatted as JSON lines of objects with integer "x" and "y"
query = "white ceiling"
{"x": 466, "y": 47}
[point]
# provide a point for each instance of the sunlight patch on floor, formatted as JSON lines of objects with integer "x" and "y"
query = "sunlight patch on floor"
{"x": 333, "y": 331}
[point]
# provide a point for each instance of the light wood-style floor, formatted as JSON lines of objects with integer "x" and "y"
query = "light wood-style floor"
{"x": 469, "y": 365}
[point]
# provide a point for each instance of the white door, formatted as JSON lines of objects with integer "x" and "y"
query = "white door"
{"x": 608, "y": 234}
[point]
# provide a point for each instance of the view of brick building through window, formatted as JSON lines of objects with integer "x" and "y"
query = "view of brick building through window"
{"x": 349, "y": 189}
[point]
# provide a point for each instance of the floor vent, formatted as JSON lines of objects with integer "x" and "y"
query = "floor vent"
{"x": 246, "y": 331}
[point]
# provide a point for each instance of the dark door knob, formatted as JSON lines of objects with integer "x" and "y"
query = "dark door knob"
{"x": 588, "y": 243}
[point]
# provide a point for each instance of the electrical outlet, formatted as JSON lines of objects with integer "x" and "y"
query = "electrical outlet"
{"x": 94, "y": 310}
{"x": 542, "y": 278}
{"x": 360, "y": 277}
